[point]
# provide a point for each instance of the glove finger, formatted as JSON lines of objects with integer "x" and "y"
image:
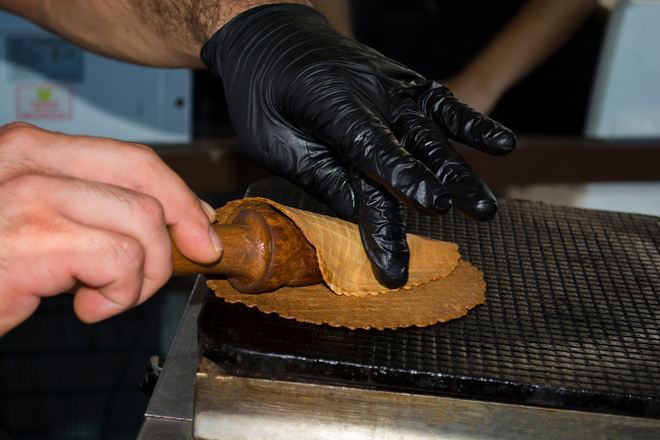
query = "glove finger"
{"x": 382, "y": 231}
{"x": 324, "y": 177}
{"x": 421, "y": 137}
{"x": 356, "y": 198}
{"x": 462, "y": 123}
{"x": 362, "y": 139}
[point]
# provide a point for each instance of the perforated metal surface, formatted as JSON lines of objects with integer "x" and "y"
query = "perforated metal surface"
{"x": 571, "y": 319}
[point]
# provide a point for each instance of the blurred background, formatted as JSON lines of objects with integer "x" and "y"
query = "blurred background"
{"x": 576, "y": 80}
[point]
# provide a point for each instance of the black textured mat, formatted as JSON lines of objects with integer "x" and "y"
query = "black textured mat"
{"x": 571, "y": 319}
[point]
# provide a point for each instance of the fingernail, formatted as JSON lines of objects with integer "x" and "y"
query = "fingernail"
{"x": 215, "y": 240}
{"x": 208, "y": 209}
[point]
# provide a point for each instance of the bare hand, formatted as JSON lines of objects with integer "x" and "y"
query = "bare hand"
{"x": 89, "y": 216}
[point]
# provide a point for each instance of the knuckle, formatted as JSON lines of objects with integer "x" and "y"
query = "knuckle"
{"x": 127, "y": 254}
{"x": 16, "y": 126}
{"x": 26, "y": 215}
{"x": 17, "y": 143}
{"x": 149, "y": 160}
{"x": 150, "y": 211}
{"x": 23, "y": 188}
{"x": 18, "y": 135}
{"x": 150, "y": 165}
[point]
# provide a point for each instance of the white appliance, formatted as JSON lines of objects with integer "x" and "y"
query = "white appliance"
{"x": 49, "y": 82}
{"x": 625, "y": 101}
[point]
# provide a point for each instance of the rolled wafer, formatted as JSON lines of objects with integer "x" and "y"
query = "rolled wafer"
{"x": 344, "y": 264}
{"x": 440, "y": 286}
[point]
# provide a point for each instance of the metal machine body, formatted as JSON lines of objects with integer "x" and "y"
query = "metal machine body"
{"x": 49, "y": 82}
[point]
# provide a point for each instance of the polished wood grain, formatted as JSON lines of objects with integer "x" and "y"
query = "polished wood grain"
{"x": 263, "y": 250}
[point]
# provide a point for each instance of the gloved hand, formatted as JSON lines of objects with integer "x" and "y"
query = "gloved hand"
{"x": 356, "y": 130}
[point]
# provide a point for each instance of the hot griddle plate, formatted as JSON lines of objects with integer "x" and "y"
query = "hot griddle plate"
{"x": 571, "y": 319}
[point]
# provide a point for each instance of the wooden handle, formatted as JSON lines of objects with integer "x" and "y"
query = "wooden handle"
{"x": 263, "y": 250}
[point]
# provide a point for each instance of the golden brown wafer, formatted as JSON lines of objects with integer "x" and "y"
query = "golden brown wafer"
{"x": 440, "y": 287}
{"x": 437, "y": 301}
{"x": 344, "y": 264}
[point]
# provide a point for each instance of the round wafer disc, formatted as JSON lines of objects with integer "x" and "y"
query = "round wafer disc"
{"x": 438, "y": 301}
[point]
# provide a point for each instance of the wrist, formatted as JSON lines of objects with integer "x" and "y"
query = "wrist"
{"x": 246, "y": 31}
{"x": 231, "y": 10}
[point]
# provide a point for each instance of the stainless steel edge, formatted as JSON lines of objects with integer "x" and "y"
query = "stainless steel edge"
{"x": 232, "y": 408}
{"x": 171, "y": 404}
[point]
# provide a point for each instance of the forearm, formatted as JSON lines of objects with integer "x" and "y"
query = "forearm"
{"x": 162, "y": 33}
{"x": 532, "y": 35}
{"x": 338, "y": 13}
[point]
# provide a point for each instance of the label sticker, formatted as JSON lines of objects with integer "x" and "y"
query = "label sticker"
{"x": 44, "y": 101}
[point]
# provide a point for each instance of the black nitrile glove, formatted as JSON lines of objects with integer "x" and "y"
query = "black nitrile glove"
{"x": 354, "y": 129}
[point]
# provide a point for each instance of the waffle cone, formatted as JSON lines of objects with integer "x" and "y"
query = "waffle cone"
{"x": 344, "y": 264}
{"x": 441, "y": 286}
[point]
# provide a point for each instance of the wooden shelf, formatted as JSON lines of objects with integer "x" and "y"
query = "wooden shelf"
{"x": 217, "y": 165}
